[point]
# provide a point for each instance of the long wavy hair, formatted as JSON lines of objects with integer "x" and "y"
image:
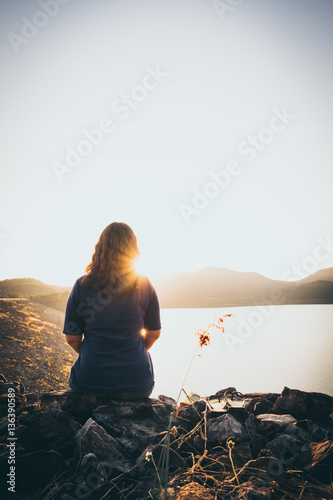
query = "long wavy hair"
{"x": 111, "y": 269}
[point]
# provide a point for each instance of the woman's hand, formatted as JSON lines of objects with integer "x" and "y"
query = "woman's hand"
{"x": 74, "y": 341}
{"x": 150, "y": 337}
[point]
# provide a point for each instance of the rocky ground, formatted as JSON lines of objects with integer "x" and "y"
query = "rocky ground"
{"x": 32, "y": 346}
{"x": 72, "y": 446}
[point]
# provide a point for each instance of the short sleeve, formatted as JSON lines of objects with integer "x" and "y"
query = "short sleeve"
{"x": 152, "y": 319}
{"x": 74, "y": 321}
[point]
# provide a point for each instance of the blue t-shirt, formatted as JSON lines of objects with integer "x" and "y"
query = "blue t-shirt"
{"x": 113, "y": 356}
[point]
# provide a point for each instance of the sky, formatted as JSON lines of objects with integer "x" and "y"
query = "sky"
{"x": 206, "y": 126}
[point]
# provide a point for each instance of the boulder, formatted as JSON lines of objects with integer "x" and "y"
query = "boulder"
{"x": 317, "y": 432}
{"x": 93, "y": 471}
{"x": 285, "y": 446}
{"x": 259, "y": 405}
{"x": 92, "y": 438}
{"x": 266, "y": 468}
{"x": 226, "y": 426}
{"x": 132, "y": 434}
{"x": 257, "y": 443}
{"x": 321, "y": 460}
{"x": 302, "y": 405}
{"x": 71, "y": 401}
{"x": 251, "y": 424}
{"x": 297, "y": 432}
{"x": 146, "y": 408}
{"x": 190, "y": 415}
{"x": 241, "y": 454}
{"x": 49, "y": 429}
{"x": 269, "y": 422}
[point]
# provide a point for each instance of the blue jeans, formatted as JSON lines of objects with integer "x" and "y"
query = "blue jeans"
{"x": 131, "y": 396}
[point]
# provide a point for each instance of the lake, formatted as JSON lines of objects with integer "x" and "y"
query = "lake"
{"x": 264, "y": 349}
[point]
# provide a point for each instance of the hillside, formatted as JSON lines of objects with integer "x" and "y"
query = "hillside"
{"x": 25, "y": 287}
{"x": 217, "y": 287}
{"x": 33, "y": 349}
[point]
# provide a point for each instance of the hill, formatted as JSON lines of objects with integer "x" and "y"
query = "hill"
{"x": 218, "y": 287}
{"x": 25, "y": 287}
{"x": 210, "y": 287}
{"x": 33, "y": 348}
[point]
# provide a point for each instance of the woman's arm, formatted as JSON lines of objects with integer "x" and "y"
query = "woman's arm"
{"x": 150, "y": 337}
{"x": 74, "y": 341}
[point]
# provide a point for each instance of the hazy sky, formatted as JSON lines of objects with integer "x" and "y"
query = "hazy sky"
{"x": 217, "y": 134}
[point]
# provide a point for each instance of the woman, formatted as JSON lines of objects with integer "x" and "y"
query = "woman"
{"x": 106, "y": 312}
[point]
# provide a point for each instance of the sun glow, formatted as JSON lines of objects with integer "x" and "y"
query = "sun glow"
{"x": 141, "y": 267}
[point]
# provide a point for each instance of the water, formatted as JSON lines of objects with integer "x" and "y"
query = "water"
{"x": 281, "y": 346}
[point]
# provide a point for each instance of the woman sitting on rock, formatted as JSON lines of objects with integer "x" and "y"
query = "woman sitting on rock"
{"x": 107, "y": 311}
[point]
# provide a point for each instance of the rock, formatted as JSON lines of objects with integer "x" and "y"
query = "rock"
{"x": 296, "y": 432}
{"x": 93, "y": 471}
{"x": 259, "y": 405}
{"x": 194, "y": 491}
{"x": 316, "y": 432}
{"x": 251, "y": 424}
{"x": 191, "y": 414}
{"x": 292, "y": 401}
{"x": 168, "y": 400}
{"x": 71, "y": 401}
{"x": 266, "y": 396}
{"x": 146, "y": 408}
{"x": 223, "y": 391}
{"x": 92, "y": 438}
{"x": 321, "y": 459}
{"x": 35, "y": 470}
{"x": 241, "y": 454}
{"x": 265, "y": 468}
{"x": 108, "y": 453}
{"x": 257, "y": 443}
{"x": 46, "y": 429}
{"x": 133, "y": 434}
{"x": 226, "y": 426}
{"x": 285, "y": 447}
{"x": 269, "y": 422}
{"x": 32, "y": 398}
{"x": 302, "y": 405}
{"x": 4, "y": 386}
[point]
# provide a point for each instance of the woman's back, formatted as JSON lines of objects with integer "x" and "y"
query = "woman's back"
{"x": 113, "y": 355}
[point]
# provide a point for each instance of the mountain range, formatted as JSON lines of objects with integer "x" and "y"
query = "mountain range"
{"x": 218, "y": 287}
{"x": 209, "y": 287}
